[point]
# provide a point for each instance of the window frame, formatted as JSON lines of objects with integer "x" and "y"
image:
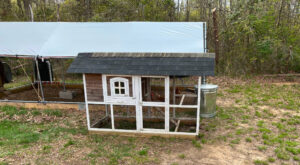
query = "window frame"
{"x": 113, "y": 87}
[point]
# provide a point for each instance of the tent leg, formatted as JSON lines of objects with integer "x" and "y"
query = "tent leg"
{"x": 39, "y": 78}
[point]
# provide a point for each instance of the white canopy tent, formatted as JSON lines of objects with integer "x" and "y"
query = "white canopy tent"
{"x": 67, "y": 39}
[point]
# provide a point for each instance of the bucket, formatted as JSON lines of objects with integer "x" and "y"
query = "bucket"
{"x": 208, "y": 100}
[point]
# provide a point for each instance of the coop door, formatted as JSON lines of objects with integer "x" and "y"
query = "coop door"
{"x": 154, "y": 107}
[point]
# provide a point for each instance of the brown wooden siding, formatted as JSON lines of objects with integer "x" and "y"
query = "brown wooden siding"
{"x": 94, "y": 87}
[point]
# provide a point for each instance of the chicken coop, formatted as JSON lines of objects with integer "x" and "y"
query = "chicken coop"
{"x": 137, "y": 92}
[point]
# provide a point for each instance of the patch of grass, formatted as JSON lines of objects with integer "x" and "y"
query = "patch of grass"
{"x": 271, "y": 160}
{"x": 281, "y": 154}
{"x": 235, "y": 141}
{"x": 196, "y": 144}
{"x": 69, "y": 143}
{"x": 258, "y": 114}
{"x": 296, "y": 158}
{"x": 4, "y": 163}
{"x": 181, "y": 156}
{"x": 51, "y": 112}
{"x": 143, "y": 152}
{"x": 293, "y": 150}
{"x": 11, "y": 110}
{"x": 46, "y": 149}
{"x": 248, "y": 139}
{"x": 260, "y": 123}
{"x": 35, "y": 112}
{"x": 12, "y": 132}
{"x": 262, "y": 148}
{"x": 239, "y": 131}
{"x": 260, "y": 162}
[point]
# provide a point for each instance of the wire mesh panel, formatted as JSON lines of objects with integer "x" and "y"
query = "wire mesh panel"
{"x": 183, "y": 91}
{"x": 153, "y": 117}
{"x": 100, "y": 116}
{"x": 124, "y": 117}
{"x": 153, "y": 89}
{"x": 185, "y": 120}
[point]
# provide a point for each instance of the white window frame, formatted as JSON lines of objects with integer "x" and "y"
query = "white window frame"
{"x": 112, "y": 87}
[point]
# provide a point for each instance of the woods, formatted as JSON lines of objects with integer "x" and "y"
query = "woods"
{"x": 253, "y": 36}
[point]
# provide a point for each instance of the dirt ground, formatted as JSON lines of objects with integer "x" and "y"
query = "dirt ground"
{"x": 257, "y": 122}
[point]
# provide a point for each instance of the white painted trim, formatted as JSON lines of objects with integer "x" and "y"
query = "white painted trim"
{"x": 183, "y": 106}
{"x": 140, "y": 101}
{"x": 167, "y": 104}
{"x": 134, "y": 131}
{"x": 153, "y": 104}
{"x": 112, "y": 117}
{"x": 120, "y": 80}
{"x": 104, "y": 87}
{"x": 117, "y": 75}
{"x": 86, "y": 102}
{"x": 153, "y": 130}
{"x": 135, "y": 80}
{"x": 198, "y": 106}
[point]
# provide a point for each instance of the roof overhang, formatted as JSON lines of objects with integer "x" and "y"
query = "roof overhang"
{"x": 167, "y": 64}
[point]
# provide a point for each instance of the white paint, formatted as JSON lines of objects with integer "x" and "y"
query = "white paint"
{"x": 104, "y": 87}
{"x": 119, "y": 81}
{"x": 198, "y": 106}
{"x": 112, "y": 117}
{"x": 151, "y": 132}
{"x": 167, "y": 104}
{"x": 86, "y": 102}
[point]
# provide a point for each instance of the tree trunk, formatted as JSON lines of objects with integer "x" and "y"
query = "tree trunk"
{"x": 187, "y": 18}
{"x": 216, "y": 35}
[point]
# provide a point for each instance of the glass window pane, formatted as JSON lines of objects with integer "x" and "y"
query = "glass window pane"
{"x": 122, "y": 84}
{"x": 116, "y": 84}
{"x": 122, "y": 91}
{"x": 117, "y": 91}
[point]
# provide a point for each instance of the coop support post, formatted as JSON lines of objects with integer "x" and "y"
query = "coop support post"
{"x": 167, "y": 104}
{"x": 39, "y": 78}
{"x": 112, "y": 117}
{"x": 86, "y": 102}
{"x": 198, "y": 106}
{"x": 104, "y": 87}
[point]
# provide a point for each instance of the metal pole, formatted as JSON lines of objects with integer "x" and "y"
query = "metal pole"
{"x": 39, "y": 77}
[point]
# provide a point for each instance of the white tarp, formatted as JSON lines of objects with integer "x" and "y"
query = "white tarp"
{"x": 67, "y": 39}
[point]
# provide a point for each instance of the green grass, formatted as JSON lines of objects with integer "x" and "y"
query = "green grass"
{"x": 51, "y": 112}
{"x": 181, "y": 156}
{"x": 69, "y": 143}
{"x": 271, "y": 160}
{"x": 196, "y": 144}
{"x": 260, "y": 162}
{"x": 143, "y": 152}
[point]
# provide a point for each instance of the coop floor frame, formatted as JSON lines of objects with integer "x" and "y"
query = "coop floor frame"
{"x": 137, "y": 101}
